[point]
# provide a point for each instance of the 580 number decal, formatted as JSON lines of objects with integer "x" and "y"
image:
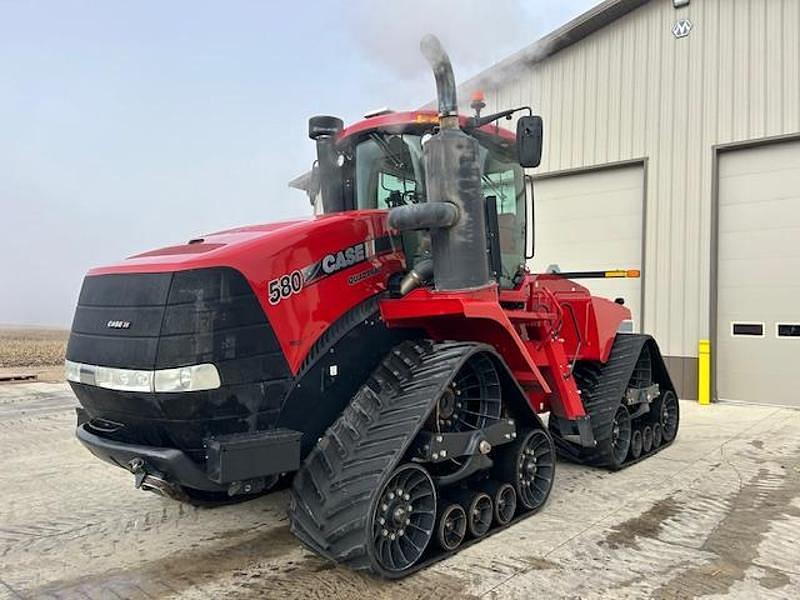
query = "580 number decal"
{"x": 284, "y": 286}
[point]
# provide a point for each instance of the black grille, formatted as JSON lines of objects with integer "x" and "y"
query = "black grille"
{"x": 185, "y": 318}
{"x": 178, "y": 319}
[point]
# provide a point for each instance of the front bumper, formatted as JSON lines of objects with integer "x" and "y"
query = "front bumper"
{"x": 169, "y": 462}
{"x": 231, "y": 460}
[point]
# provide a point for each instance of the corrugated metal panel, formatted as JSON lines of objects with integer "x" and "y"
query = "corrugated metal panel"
{"x": 631, "y": 90}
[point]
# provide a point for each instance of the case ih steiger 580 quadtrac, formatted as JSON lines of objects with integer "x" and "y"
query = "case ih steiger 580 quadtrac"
{"x": 393, "y": 354}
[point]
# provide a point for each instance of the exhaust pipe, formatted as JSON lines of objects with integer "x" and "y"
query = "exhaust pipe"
{"x": 445, "y": 81}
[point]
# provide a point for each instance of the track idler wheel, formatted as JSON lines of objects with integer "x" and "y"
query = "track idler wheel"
{"x": 636, "y": 444}
{"x": 451, "y": 528}
{"x": 668, "y": 415}
{"x": 620, "y": 436}
{"x": 657, "y": 439}
{"x": 404, "y": 516}
{"x": 504, "y": 498}
{"x": 647, "y": 439}
{"x": 529, "y": 465}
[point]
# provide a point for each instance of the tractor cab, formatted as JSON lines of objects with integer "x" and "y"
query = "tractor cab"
{"x": 378, "y": 163}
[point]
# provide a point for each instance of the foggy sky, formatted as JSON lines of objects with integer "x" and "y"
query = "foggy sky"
{"x": 128, "y": 126}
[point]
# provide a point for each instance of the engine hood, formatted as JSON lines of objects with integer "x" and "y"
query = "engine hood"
{"x": 211, "y": 249}
{"x": 305, "y": 273}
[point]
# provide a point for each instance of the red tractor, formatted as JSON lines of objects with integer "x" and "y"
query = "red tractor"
{"x": 393, "y": 354}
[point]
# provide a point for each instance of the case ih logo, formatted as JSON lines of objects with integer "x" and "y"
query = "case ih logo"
{"x": 344, "y": 258}
{"x": 682, "y": 28}
{"x": 118, "y": 325}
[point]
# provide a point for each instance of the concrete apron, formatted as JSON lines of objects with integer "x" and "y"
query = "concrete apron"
{"x": 716, "y": 514}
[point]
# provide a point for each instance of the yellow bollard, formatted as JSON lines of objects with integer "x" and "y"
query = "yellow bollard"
{"x": 704, "y": 372}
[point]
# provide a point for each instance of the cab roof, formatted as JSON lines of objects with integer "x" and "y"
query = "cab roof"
{"x": 403, "y": 120}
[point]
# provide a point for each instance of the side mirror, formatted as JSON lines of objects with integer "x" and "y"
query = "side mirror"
{"x": 529, "y": 219}
{"x": 530, "y": 133}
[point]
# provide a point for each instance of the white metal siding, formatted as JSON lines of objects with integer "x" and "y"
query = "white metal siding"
{"x": 631, "y": 90}
{"x": 593, "y": 221}
{"x": 759, "y": 262}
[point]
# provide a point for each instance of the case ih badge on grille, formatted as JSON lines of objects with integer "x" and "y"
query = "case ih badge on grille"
{"x": 405, "y": 409}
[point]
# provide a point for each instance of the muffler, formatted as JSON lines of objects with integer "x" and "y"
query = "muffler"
{"x": 452, "y": 179}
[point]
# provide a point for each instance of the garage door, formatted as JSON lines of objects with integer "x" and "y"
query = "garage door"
{"x": 758, "y": 307}
{"x": 593, "y": 221}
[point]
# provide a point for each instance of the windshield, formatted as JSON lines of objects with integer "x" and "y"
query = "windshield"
{"x": 389, "y": 172}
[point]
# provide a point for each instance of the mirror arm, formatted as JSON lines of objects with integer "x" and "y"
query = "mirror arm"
{"x": 477, "y": 123}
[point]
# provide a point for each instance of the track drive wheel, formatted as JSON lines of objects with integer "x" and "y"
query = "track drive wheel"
{"x": 529, "y": 464}
{"x": 451, "y": 528}
{"x": 403, "y": 518}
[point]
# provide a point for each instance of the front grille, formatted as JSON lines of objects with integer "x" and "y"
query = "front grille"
{"x": 176, "y": 319}
{"x": 179, "y": 319}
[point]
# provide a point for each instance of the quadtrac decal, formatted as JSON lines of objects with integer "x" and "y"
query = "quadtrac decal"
{"x": 293, "y": 283}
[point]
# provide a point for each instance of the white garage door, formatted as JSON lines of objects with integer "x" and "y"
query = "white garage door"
{"x": 758, "y": 308}
{"x": 593, "y": 221}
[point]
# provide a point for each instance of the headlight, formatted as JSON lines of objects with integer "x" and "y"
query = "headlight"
{"x": 187, "y": 379}
{"x": 72, "y": 371}
{"x": 126, "y": 380}
{"x": 183, "y": 379}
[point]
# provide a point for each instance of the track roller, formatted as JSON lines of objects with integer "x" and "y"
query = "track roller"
{"x": 529, "y": 465}
{"x": 504, "y": 498}
{"x": 657, "y": 439}
{"x": 451, "y": 527}
{"x": 636, "y": 444}
{"x": 647, "y": 439}
{"x": 479, "y": 509}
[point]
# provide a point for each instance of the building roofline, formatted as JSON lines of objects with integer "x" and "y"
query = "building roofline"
{"x": 571, "y": 32}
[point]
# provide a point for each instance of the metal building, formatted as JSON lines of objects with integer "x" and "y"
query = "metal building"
{"x": 673, "y": 144}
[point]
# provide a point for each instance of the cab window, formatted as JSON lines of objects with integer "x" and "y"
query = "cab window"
{"x": 393, "y": 189}
{"x": 388, "y": 171}
{"x": 504, "y": 181}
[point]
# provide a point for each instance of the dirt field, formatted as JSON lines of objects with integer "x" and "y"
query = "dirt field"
{"x": 715, "y": 515}
{"x": 35, "y": 350}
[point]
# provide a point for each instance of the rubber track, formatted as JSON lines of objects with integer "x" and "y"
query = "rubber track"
{"x": 602, "y": 389}
{"x": 333, "y": 491}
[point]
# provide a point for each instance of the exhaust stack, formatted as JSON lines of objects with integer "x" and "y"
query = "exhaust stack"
{"x": 453, "y": 176}
{"x": 445, "y": 81}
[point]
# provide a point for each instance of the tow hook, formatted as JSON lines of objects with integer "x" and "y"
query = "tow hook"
{"x": 154, "y": 481}
{"x": 136, "y": 466}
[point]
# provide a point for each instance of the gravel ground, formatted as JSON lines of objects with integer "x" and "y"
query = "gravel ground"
{"x": 715, "y": 515}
